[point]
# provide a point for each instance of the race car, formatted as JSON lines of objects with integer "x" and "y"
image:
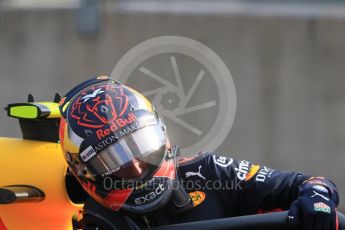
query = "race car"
{"x": 36, "y": 189}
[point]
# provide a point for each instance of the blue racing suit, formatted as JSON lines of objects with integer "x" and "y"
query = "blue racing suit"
{"x": 223, "y": 187}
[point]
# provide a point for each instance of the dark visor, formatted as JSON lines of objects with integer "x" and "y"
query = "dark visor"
{"x": 135, "y": 151}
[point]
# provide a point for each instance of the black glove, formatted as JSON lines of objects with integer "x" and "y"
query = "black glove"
{"x": 315, "y": 208}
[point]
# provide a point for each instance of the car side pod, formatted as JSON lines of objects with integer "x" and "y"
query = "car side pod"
{"x": 41, "y": 165}
{"x": 20, "y": 193}
{"x": 36, "y": 190}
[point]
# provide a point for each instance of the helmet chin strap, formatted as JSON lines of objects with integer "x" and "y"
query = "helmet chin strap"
{"x": 180, "y": 200}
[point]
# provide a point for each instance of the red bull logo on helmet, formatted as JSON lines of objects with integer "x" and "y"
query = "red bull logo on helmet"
{"x": 115, "y": 125}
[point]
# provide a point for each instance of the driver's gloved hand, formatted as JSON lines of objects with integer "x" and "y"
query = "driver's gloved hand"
{"x": 315, "y": 208}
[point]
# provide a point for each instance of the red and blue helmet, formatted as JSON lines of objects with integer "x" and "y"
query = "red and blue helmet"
{"x": 116, "y": 146}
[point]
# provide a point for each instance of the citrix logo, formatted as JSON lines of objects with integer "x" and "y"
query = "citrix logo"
{"x": 150, "y": 196}
{"x": 242, "y": 170}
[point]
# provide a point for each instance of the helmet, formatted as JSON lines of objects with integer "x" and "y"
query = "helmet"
{"x": 116, "y": 146}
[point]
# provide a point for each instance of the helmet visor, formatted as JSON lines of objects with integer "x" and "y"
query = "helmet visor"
{"x": 132, "y": 156}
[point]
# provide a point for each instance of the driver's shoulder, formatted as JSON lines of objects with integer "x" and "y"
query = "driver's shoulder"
{"x": 197, "y": 163}
{"x": 207, "y": 158}
{"x": 186, "y": 160}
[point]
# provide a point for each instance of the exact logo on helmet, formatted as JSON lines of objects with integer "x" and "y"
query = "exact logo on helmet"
{"x": 115, "y": 125}
{"x": 150, "y": 196}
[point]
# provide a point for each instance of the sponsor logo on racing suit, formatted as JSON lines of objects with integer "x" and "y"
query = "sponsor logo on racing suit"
{"x": 322, "y": 207}
{"x": 198, "y": 173}
{"x": 263, "y": 174}
{"x": 252, "y": 171}
{"x": 197, "y": 197}
{"x": 245, "y": 171}
{"x": 222, "y": 161}
{"x": 242, "y": 170}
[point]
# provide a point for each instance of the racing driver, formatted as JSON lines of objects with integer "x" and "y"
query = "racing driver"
{"x": 117, "y": 147}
